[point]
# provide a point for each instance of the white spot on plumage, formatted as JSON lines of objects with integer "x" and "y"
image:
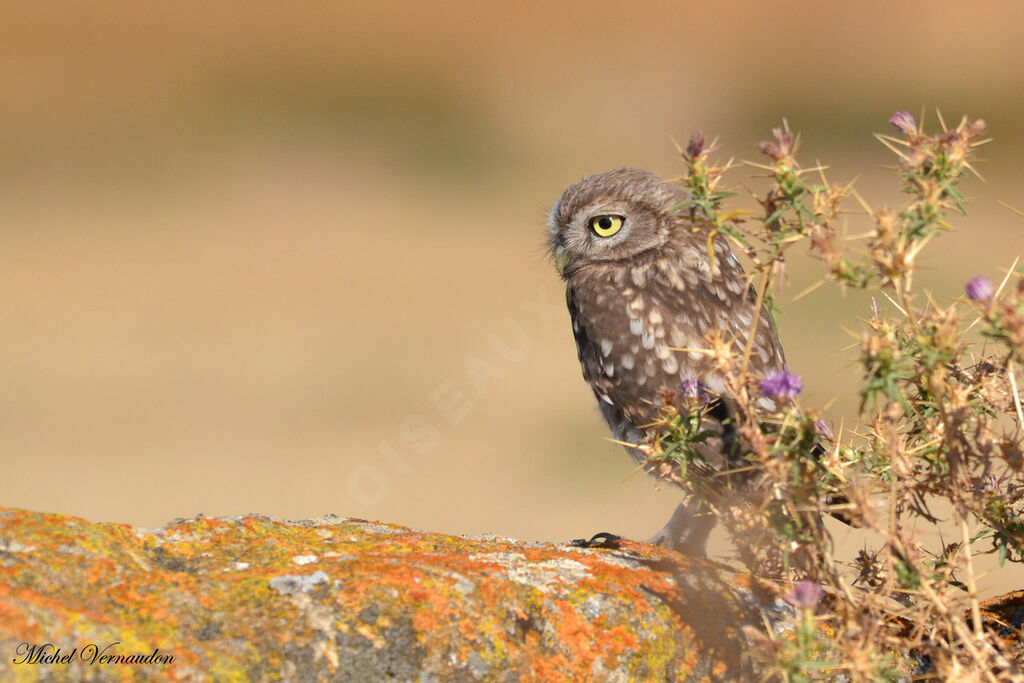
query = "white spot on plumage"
{"x": 609, "y": 368}
{"x": 627, "y": 361}
{"x": 636, "y": 326}
{"x": 654, "y": 316}
{"x": 674, "y": 279}
{"x": 670, "y": 365}
{"x": 647, "y": 339}
{"x": 639, "y": 276}
{"x": 606, "y": 347}
{"x": 715, "y": 384}
{"x": 662, "y": 352}
{"x": 604, "y": 397}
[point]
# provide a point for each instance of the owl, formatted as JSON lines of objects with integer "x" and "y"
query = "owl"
{"x": 643, "y": 296}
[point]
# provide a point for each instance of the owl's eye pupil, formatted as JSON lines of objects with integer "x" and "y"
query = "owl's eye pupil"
{"x": 606, "y": 226}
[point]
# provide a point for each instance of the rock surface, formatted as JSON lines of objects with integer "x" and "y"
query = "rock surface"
{"x": 344, "y": 599}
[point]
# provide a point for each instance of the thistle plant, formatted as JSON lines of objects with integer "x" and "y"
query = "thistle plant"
{"x": 937, "y": 439}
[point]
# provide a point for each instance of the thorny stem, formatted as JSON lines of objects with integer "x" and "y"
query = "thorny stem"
{"x": 765, "y": 282}
{"x": 892, "y": 494}
{"x": 969, "y": 640}
{"x": 901, "y": 294}
{"x": 972, "y": 588}
{"x": 1016, "y": 395}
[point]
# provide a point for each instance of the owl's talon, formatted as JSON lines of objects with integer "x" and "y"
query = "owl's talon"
{"x": 600, "y": 540}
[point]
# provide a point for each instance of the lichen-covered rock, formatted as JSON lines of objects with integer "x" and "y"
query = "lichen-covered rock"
{"x": 344, "y": 599}
{"x": 1005, "y": 616}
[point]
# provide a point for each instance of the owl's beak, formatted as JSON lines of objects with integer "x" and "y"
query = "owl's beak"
{"x": 561, "y": 259}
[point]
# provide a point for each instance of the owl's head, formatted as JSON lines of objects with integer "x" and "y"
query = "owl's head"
{"x": 612, "y": 216}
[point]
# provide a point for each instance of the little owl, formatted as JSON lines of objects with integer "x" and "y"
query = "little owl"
{"x": 643, "y": 296}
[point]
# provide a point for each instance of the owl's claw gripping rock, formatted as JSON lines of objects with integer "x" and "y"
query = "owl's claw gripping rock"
{"x": 601, "y": 540}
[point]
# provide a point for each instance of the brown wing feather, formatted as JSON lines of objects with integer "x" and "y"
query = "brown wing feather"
{"x": 630, "y": 319}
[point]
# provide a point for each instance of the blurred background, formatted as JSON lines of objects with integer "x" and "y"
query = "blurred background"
{"x": 267, "y": 257}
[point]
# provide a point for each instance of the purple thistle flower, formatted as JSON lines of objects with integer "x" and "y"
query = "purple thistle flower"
{"x": 696, "y": 146}
{"x": 824, "y": 430}
{"x": 805, "y": 595}
{"x": 974, "y": 129}
{"x": 980, "y": 289}
{"x": 785, "y": 143}
{"x": 691, "y": 388}
{"x": 782, "y": 385}
{"x": 769, "y": 149}
{"x": 699, "y": 147}
{"x": 904, "y": 121}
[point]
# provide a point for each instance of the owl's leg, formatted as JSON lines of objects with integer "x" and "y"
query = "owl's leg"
{"x": 687, "y": 530}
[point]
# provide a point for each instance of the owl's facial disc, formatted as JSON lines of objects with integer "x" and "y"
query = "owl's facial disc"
{"x": 611, "y": 217}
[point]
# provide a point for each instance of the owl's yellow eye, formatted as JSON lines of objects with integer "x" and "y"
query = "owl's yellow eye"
{"x": 606, "y": 226}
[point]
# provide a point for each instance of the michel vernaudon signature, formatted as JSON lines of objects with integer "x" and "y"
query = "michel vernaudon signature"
{"x": 48, "y": 653}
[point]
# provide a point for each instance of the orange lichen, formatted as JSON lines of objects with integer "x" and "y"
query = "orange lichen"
{"x": 254, "y": 597}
